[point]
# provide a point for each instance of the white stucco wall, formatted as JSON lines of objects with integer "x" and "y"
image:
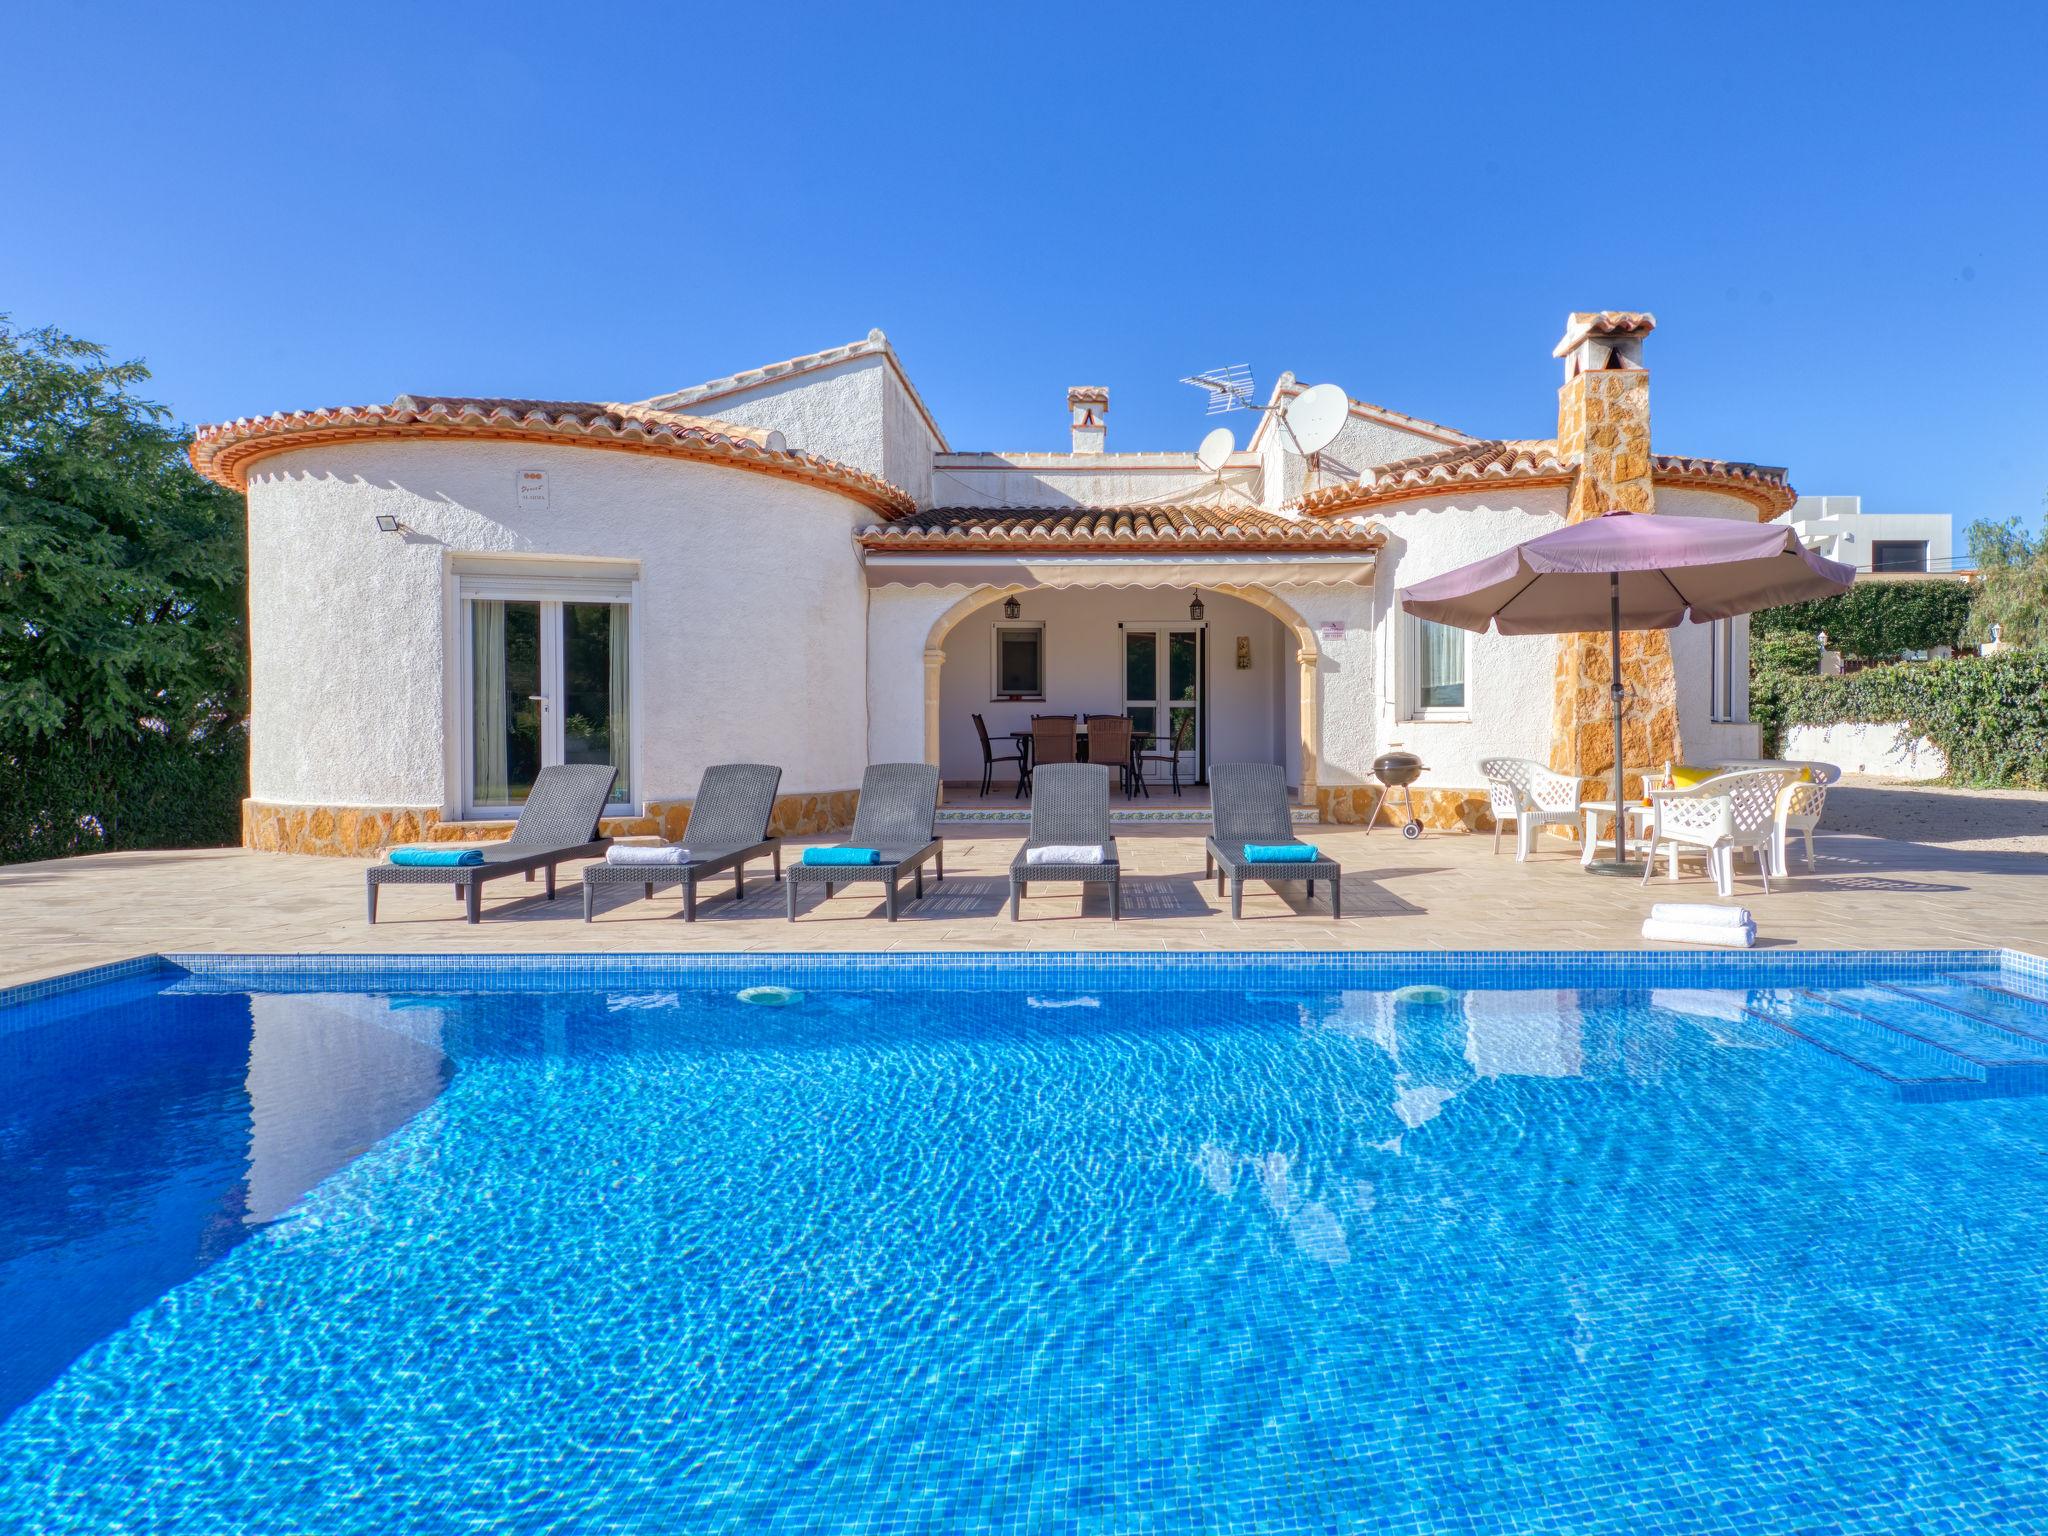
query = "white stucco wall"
{"x": 1508, "y": 677}
{"x": 1692, "y": 655}
{"x": 1889, "y": 749}
{"x": 1084, "y": 480}
{"x": 1250, "y": 712}
{"x": 747, "y": 615}
{"x": 855, "y": 411}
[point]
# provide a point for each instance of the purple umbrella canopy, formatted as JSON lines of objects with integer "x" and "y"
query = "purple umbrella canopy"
{"x": 1670, "y": 568}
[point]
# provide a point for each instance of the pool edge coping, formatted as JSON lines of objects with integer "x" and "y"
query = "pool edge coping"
{"x": 583, "y": 965}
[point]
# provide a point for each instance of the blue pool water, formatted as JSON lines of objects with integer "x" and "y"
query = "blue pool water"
{"x": 1061, "y": 1246}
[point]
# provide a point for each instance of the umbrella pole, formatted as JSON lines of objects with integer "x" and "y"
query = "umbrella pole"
{"x": 1620, "y": 864}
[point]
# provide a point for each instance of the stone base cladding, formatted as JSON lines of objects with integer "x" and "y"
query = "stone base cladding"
{"x": 1440, "y": 810}
{"x": 364, "y": 831}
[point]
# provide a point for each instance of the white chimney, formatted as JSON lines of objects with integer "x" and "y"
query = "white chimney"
{"x": 1088, "y": 404}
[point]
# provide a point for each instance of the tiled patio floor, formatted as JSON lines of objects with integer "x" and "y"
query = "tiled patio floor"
{"x": 1442, "y": 892}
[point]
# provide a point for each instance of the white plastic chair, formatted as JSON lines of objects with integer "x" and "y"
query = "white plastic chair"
{"x": 1800, "y": 804}
{"x": 1728, "y": 812}
{"x": 1525, "y": 792}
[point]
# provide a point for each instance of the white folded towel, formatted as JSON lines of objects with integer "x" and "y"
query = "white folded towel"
{"x": 646, "y": 853}
{"x": 1726, "y": 935}
{"x": 1065, "y": 853}
{"x": 1702, "y": 913}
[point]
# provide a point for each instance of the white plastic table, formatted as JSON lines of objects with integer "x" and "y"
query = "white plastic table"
{"x": 1598, "y": 813}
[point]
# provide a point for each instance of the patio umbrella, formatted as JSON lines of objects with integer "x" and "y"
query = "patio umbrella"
{"x": 1633, "y": 570}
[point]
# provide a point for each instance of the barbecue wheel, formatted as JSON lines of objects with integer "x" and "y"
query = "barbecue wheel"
{"x": 1412, "y": 830}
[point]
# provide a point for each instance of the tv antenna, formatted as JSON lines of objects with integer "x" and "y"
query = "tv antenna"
{"x": 1229, "y": 388}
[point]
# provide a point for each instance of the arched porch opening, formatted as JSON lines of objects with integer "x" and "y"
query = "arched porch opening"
{"x": 1305, "y": 656}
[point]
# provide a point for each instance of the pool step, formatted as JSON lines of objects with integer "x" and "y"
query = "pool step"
{"x": 1914, "y": 1067}
{"x": 2010, "y": 1015}
{"x": 1919, "y": 1045}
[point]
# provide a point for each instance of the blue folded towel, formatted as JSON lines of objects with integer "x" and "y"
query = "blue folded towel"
{"x": 1280, "y": 853}
{"x": 453, "y": 857}
{"x": 842, "y": 856}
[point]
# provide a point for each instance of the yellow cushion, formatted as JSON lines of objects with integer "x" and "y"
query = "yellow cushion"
{"x": 1684, "y": 776}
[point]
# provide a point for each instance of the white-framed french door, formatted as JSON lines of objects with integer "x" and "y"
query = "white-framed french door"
{"x": 1162, "y": 669}
{"x": 547, "y": 677}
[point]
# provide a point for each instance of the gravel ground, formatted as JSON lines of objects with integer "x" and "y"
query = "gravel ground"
{"x": 1995, "y": 820}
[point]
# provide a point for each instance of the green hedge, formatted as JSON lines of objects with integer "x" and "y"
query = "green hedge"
{"x": 1878, "y": 620}
{"x": 69, "y": 796}
{"x": 1988, "y": 714}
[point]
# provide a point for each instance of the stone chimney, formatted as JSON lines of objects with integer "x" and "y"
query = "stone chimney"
{"x": 1603, "y": 411}
{"x": 1088, "y": 404}
{"x": 1603, "y": 425}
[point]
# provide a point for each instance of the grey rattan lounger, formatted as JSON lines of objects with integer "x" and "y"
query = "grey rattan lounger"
{"x": 1250, "y": 806}
{"x": 1069, "y": 806}
{"x": 898, "y": 816}
{"x": 557, "y": 823}
{"x": 728, "y": 826}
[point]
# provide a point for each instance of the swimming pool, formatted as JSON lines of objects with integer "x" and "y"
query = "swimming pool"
{"x": 1589, "y": 1244}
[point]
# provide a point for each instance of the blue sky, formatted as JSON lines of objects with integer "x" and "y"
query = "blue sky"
{"x": 1836, "y": 212}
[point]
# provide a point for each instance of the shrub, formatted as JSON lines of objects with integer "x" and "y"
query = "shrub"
{"x": 1878, "y": 620}
{"x": 1988, "y": 714}
{"x": 72, "y": 796}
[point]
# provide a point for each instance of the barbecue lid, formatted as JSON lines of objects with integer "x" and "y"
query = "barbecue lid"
{"x": 1395, "y": 762}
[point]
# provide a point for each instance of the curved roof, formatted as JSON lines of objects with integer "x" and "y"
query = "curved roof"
{"x": 1534, "y": 462}
{"x": 1115, "y": 530}
{"x": 224, "y": 453}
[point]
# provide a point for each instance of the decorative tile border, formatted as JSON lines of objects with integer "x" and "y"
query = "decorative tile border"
{"x": 92, "y": 976}
{"x": 1364, "y": 969}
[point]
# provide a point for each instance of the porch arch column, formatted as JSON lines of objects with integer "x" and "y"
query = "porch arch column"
{"x": 1311, "y": 724}
{"x": 934, "y": 662}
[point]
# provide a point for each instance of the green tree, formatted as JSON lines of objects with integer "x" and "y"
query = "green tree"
{"x": 122, "y": 658}
{"x": 2012, "y": 585}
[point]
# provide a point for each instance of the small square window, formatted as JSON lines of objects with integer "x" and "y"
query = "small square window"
{"x": 1019, "y": 662}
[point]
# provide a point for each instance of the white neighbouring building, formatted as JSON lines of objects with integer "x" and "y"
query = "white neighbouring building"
{"x": 793, "y": 565}
{"x": 1881, "y": 543}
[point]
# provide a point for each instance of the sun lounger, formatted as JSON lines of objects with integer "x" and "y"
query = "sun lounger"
{"x": 1250, "y": 810}
{"x": 728, "y": 827}
{"x": 1069, "y": 820}
{"x": 898, "y": 819}
{"x": 558, "y": 822}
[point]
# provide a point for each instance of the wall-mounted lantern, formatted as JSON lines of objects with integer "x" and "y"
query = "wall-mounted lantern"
{"x": 1011, "y": 607}
{"x": 1196, "y": 610}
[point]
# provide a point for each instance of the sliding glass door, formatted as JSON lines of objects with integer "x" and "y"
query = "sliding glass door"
{"x": 549, "y": 682}
{"x": 1163, "y": 693}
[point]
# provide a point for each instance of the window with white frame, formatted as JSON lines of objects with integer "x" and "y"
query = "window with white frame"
{"x": 546, "y": 677}
{"x": 1726, "y": 700}
{"x": 1017, "y": 662}
{"x": 1437, "y": 667}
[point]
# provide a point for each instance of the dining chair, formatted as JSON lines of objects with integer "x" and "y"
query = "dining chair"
{"x": 1052, "y": 741}
{"x": 1109, "y": 743}
{"x": 1183, "y": 741}
{"x": 990, "y": 757}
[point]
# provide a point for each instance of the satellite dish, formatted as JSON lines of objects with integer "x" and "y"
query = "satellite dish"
{"x": 1216, "y": 450}
{"x": 1316, "y": 416}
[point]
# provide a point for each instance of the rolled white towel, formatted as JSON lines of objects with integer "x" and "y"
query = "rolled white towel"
{"x": 646, "y": 853}
{"x": 1702, "y": 914}
{"x": 1724, "y": 935}
{"x": 1064, "y": 853}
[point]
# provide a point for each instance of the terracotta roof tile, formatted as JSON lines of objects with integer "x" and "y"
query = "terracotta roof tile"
{"x": 1076, "y": 530}
{"x": 1582, "y": 323}
{"x": 1535, "y": 461}
{"x": 1088, "y": 394}
{"x": 224, "y": 452}
{"x": 1499, "y": 461}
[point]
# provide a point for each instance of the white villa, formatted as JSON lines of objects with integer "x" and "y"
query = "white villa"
{"x": 794, "y": 565}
